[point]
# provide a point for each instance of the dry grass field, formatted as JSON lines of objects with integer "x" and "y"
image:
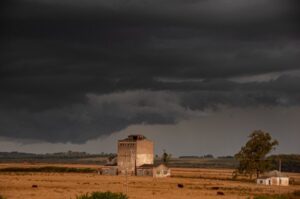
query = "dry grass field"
{"x": 198, "y": 183}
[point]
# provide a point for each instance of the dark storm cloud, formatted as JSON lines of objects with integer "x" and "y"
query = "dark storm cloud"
{"x": 107, "y": 113}
{"x": 56, "y": 54}
{"x": 99, "y": 116}
{"x": 285, "y": 91}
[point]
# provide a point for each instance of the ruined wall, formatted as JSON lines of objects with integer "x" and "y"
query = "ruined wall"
{"x": 145, "y": 152}
{"x": 126, "y": 157}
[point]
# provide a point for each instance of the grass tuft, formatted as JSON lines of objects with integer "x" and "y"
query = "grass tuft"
{"x": 296, "y": 193}
{"x": 271, "y": 197}
{"x": 293, "y": 195}
{"x": 103, "y": 195}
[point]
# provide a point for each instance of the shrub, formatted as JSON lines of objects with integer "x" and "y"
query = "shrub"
{"x": 271, "y": 197}
{"x": 296, "y": 193}
{"x": 103, "y": 195}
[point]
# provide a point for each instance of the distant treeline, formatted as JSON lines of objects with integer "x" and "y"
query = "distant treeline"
{"x": 49, "y": 169}
{"x": 289, "y": 163}
{"x": 206, "y": 156}
{"x": 69, "y": 154}
{"x": 62, "y": 157}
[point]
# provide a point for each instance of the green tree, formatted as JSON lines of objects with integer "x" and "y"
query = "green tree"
{"x": 166, "y": 157}
{"x": 252, "y": 156}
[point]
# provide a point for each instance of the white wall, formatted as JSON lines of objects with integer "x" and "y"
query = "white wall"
{"x": 282, "y": 181}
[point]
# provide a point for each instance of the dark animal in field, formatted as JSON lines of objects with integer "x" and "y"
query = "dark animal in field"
{"x": 220, "y": 193}
{"x": 180, "y": 185}
{"x": 34, "y": 186}
{"x": 215, "y": 188}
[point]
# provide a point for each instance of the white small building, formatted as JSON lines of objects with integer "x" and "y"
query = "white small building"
{"x": 273, "y": 178}
{"x": 161, "y": 170}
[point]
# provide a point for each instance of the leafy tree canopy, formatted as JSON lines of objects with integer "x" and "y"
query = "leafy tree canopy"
{"x": 252, "y": 156}
{"x": 166, "y": 157}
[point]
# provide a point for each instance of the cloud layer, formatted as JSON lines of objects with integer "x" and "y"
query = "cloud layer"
{"x": 73, "y": 71}
{"x": 101, "y": 115}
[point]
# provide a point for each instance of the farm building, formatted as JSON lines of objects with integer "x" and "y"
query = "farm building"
{"x": 111, "y": 161}
{"x": 273, "y": 178}
{"x": 145, "y": 170}
{"x": 112, "y": 170}
{"x": 160, "y": 170}
{"x": 134, "y": 151}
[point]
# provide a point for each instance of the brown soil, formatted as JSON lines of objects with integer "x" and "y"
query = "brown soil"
{"x": 198, "y": 183}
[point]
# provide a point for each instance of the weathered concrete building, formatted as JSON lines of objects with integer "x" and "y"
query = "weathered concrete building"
{"x": 133, "y": 152}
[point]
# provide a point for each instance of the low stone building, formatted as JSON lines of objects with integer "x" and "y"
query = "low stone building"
{"x": 111, "y": 170}
{"x": 273, "y": 178}
{"x": 160, "y": 170}
{"x": 145, "y": 170}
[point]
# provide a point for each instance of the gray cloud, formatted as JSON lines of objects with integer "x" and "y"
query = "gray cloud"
{"x": 96, "y": 67}
{"x": 101, "y": 115}
{"x": 107, "y": 113}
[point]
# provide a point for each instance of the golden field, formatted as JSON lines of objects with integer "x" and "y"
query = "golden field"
{"x": 198, "y": 183}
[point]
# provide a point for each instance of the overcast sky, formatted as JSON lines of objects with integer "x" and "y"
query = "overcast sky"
{"x": 196, "y": 76}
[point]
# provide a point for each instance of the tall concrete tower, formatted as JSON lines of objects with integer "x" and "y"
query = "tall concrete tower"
{"x": 133, "y": 152}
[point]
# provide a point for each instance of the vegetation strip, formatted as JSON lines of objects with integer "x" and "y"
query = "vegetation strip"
{"x": 49, "y": 169}
{"x": 103, "y": 195}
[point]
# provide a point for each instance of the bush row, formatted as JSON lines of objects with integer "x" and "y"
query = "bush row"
{"x": 48, "y": 169}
